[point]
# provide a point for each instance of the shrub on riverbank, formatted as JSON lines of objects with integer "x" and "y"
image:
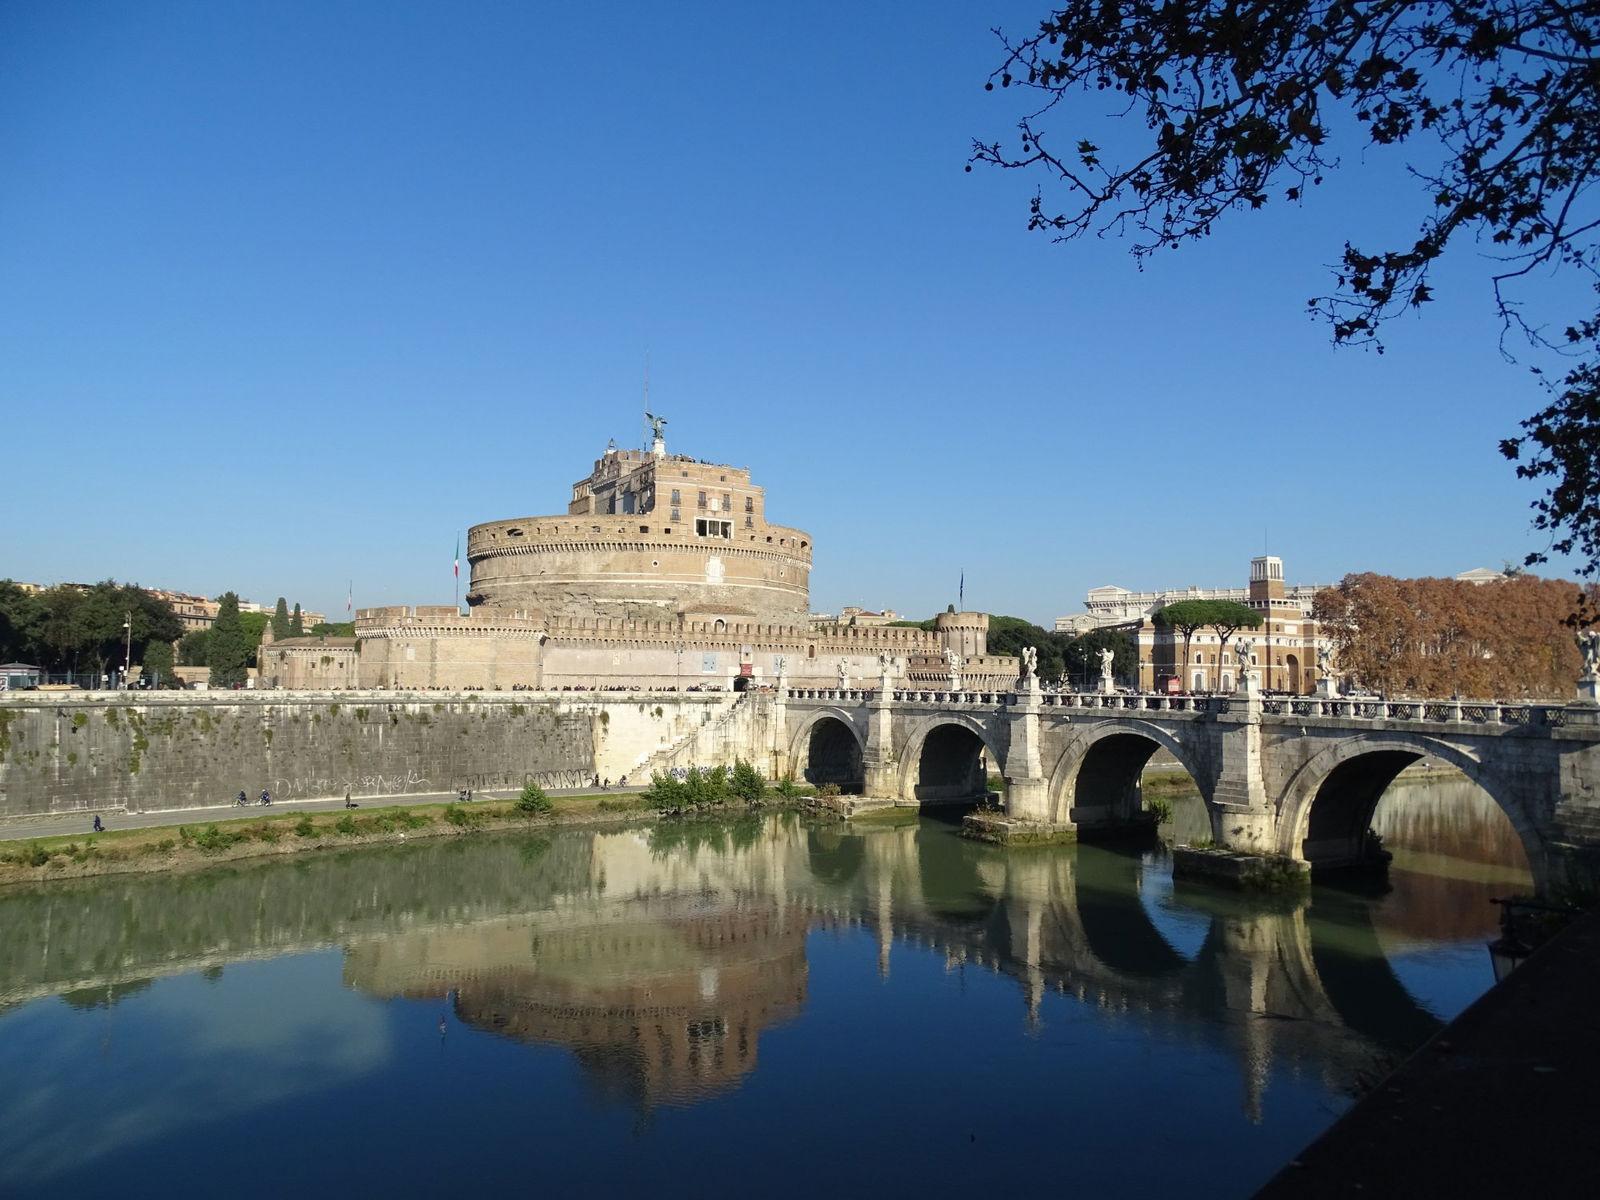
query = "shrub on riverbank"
{"x": 533, "y": 802}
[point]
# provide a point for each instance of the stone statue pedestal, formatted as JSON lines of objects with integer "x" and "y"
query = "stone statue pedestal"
{"x": 1106, "y": 685}
{"x": 1328, "y": 688}
{"x": 1249, "y": 684}
{"x": 1589, "y": 689}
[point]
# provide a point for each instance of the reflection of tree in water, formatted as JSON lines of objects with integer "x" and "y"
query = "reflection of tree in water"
{"x": 105, "y": 997}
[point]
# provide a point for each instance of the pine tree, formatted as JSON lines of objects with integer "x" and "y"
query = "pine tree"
{"x": 280, "y": 620}
{"x": 297, "y": 625}
{"x": 227, "y": 648}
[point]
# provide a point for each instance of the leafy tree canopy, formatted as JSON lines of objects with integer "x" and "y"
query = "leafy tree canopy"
{"x": 1229, "y": 106}
{"x": 1187, "y": 616}
{"x": 1438, "y": 637}
{"x": 82, "y": 628}
{"x": 334, "y": 629}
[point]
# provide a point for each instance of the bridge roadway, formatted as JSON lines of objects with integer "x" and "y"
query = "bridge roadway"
{"x": 1292, "y": 776}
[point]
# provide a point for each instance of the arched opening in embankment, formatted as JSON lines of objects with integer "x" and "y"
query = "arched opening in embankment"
{"x": 832, "y": 755}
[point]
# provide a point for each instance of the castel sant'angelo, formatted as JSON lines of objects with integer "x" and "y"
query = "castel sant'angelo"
{"x": 664, "y": 572}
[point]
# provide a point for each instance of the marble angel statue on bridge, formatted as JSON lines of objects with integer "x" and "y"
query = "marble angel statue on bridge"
{"x": 1106, "y": 657}
{"x": 1030, "y": 663}
{"x": 1589, "y": 644}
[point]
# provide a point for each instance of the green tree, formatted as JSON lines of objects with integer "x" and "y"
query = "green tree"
{"x": 1230, "y": 107}
{"x": 533, "y": 801}
{"x": 102, "y": 626}
{"x": 193, "y": 648}
{"x": 1009, "y": 635}
{"x": 228, "y": 649}
{"x": 280, "y": 620}
{"x": 1227, "y": 617}
{"x": 297, "y": 624}
{"x": 254, "y": 625}
{"x": 747, "y": 783}
{"x": 1082, "y": 654}
{"x": 157, "y": 663}
{"x": 22, "y": 618}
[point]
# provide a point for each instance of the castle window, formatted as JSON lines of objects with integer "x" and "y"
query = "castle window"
{"x": 676, "y": 516}
{"x": 702, "y": 503}
{"x": 644, "y": 529}
{"x": 708, "y": 528}
{"x": 675, "y": 499}
{"x": 749, "y": 504}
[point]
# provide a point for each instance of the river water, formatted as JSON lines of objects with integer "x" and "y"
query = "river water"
{"x": 765, "y": 1007}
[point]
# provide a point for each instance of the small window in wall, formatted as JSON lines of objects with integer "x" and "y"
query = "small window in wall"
{"x": 749, "y": 523}
{"x": 749, "y": 504}
{"x": 677, "y": 514}
{"x": 644, "y": 529}
{"x": 702, "y": 500}
{"x": 675, "y": 499}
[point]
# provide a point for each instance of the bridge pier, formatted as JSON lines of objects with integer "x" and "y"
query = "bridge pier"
{"x": 881, "y": 773}
{"x": 1242, "y": 815}
{"x": 1027, "y": 789}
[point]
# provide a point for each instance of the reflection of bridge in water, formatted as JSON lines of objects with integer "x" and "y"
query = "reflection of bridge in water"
{"x": 658, "y": 956}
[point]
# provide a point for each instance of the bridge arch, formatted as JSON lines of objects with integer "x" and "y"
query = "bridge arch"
{"x": 828, "y": 747}
{"x": 941, "y": 755}
{"x": 1327, "y": 807}
{"x": 1106, "y": 759}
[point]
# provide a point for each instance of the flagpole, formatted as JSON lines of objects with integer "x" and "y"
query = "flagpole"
{"x": 457, "y": 571}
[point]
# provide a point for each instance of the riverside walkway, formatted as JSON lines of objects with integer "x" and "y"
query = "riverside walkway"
{"x": 1499, "y": 1103}
{"x": 62, "y": 824}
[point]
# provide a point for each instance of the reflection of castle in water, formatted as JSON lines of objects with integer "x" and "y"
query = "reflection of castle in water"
{"x": 659, "y": 957}
{"x": 663, "y": 1002}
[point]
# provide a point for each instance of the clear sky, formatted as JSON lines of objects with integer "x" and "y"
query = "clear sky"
{"x": 292, "y": 293}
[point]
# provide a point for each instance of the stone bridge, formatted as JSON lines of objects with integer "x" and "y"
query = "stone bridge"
{"x": 1294, "y": 776}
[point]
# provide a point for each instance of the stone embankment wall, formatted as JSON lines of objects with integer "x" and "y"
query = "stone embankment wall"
{"x": 107, "y": 751}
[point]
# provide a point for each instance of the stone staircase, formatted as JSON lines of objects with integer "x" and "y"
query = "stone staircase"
{"x": 705, "y": 746}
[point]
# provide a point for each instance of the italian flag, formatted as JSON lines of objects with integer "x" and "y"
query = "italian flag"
{"x": 458, "y": 556}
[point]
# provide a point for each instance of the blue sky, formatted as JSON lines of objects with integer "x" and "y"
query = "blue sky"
{"x": 290, "y": 294}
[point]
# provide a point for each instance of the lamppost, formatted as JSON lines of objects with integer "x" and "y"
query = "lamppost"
{"x": 127, "y": 661}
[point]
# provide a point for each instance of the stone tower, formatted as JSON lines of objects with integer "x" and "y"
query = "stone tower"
{"x": 967, "y": 633}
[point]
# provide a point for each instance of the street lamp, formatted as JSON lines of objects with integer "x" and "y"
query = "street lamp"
{"x": 127, "y": 662}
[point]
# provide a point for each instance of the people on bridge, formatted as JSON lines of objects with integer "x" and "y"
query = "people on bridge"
{"x": 243, "y": 799}
{"x": 98, "y": 827}
{"x": 266, "y": 796}
{"x": 348, "y": 803}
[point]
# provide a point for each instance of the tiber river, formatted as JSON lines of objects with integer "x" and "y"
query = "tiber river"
{"x": 762, "y": 1008}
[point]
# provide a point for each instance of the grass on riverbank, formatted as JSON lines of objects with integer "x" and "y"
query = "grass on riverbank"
{"x": 107, "y": 850}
